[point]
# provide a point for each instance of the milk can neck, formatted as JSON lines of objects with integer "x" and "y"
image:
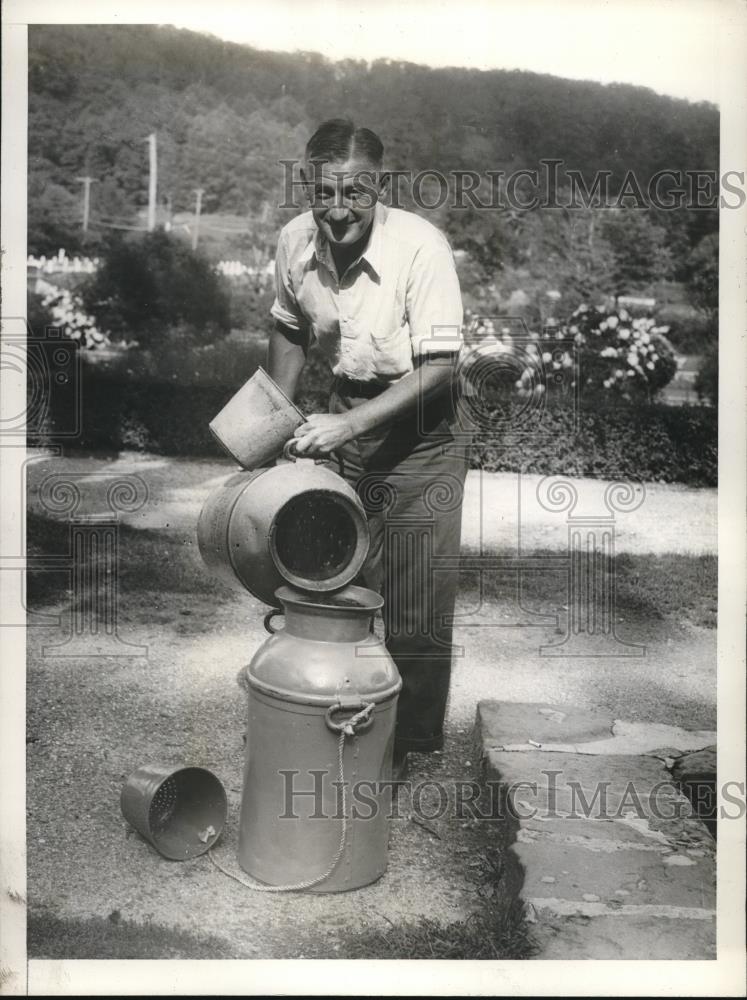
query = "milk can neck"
{"x": 328, "y": 624}
{"x": 343, "y": 617}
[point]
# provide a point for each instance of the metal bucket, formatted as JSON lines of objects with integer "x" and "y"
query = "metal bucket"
{"x": 254, "y": 424}
{"x": 181, "y": 811}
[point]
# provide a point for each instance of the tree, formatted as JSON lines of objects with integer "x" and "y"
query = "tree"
{"x": 702, "y": 275}
{"x": 151, "y": 287}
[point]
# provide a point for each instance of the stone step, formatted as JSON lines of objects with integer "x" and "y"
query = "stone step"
{"x": 602, "y": 847}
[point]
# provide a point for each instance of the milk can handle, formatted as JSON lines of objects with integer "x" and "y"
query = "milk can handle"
{"x": 362, "y": 718}
{"x": 290, "y": 454}
{"x": 268, "y": 618}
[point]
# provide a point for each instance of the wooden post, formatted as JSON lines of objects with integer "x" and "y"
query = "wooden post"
{"x": 86, "y": 182}
{"x": 152, "y": 181}
{"x": 198, "y": 208}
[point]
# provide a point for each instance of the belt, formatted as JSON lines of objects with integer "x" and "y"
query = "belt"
{"x": 345, "y": 386}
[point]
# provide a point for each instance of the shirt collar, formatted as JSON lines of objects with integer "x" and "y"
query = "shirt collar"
{"x": 373, "y": 253}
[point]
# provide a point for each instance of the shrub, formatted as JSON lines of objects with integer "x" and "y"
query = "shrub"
{"x": 625, "y": 356}
{"x": 689, "y": 330}
{"x": 648, "y": 443}
{"x": 153, "y": 284}
{"x": 251, "y": 300}
{"x": 706, "y": 383}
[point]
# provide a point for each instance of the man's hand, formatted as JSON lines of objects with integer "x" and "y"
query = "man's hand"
{"x": 323, "y": 433}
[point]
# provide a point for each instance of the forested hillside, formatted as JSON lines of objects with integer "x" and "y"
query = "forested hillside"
{"x": 225, "y": 114}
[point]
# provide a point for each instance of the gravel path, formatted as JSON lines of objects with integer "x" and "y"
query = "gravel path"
{"x": 501, "y": 510}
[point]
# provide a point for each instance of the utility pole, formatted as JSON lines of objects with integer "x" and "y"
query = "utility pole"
{"x": 198, "y": 208}
{"x": 86, "y": 182}
{"x": 152, "y": 181}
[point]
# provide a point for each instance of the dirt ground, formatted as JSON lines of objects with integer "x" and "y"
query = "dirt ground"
{"x": 92, "y": 720}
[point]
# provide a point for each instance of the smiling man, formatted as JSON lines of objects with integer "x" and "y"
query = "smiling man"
{"x": 377, "y": 289}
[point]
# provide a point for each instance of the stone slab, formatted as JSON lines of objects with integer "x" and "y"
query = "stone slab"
{"x": 501, "y": 722}
{"x": 624, "y": 937}
{"x": 575, "y": 784}
{"x": 623, "y": 878}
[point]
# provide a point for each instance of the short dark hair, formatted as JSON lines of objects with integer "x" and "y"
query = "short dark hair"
{"x": 340, "y": 139}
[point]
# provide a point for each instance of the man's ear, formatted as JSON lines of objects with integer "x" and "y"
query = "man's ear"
{"x": 385, "y": 184}
{"x": 308, "y": 183}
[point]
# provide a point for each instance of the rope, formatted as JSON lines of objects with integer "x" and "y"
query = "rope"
{"x": 348, "y": 729}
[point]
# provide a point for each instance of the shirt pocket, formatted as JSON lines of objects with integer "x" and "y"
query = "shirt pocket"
{"x": 392, "y": 350}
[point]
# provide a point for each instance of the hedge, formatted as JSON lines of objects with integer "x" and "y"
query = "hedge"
{"x": 652, "y": 443}
{"x": 648, "y": 443}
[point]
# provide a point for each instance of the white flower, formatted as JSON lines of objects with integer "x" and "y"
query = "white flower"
{"x": 650, "y": 365}
{"x": 608, "y": 352}
{"x": 607, "y": 383}
{"x": 618, "y": 373}
{"x": 646, "y": 338}
{"x": 612, "y": 322}
{"x": 623, "y": 333}
{"x": 603, "y": 325}
{"x": 654, "y": 356}
{"x": 547, "y": 357}
{"x": 631, "y": 374}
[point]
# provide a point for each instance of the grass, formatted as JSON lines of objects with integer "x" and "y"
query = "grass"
{"x": 494, "y": 932}
{"x": 653, "y": 586}
{"x": 148, "y": 561}
{"x": 673, "y": 586}
{"x": 52, "y": 937}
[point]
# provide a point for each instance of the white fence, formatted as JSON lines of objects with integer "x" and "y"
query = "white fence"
{"x": 235, "y": 269}
{"x": 62, "y": 264}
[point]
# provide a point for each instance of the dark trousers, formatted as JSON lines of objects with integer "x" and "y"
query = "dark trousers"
{"x": 410, "y": 476}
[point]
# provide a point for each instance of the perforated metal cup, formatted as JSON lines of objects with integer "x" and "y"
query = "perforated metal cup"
{"x": 181, "y": 811}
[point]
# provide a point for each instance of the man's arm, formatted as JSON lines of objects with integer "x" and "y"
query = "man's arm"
{"x": 286, "y": 356}
{"x": 323, "y": 432}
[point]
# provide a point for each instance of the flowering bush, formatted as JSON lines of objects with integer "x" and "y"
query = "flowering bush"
{"x": 503, "y": 356}
{"x": 610, "y": 350}
{"x": 621, "y": 354}
{"x": 66, "y": 312}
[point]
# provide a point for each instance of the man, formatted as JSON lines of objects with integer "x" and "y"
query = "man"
{"x": 378, "y": 289}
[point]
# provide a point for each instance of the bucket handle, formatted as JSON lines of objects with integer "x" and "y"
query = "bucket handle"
{"x": 268, "y": 618}
{"x": 291, "y": 455}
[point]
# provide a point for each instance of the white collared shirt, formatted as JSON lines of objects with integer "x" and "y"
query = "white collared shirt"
{"x": 398, "y": 300}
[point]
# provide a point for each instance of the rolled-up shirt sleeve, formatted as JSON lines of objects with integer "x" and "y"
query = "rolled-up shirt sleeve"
{"x": 434, "y": 301}
{"x": 285, "y": 308}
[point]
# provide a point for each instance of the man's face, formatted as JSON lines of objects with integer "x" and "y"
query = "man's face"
{"x": 343, "y": 198}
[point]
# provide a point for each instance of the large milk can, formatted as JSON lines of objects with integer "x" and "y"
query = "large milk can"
{"x": 298, "y": 522}
{"x": 322, "y": 701}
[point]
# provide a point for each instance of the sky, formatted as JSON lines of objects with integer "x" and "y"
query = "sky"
{"x": 671, "y": 46}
